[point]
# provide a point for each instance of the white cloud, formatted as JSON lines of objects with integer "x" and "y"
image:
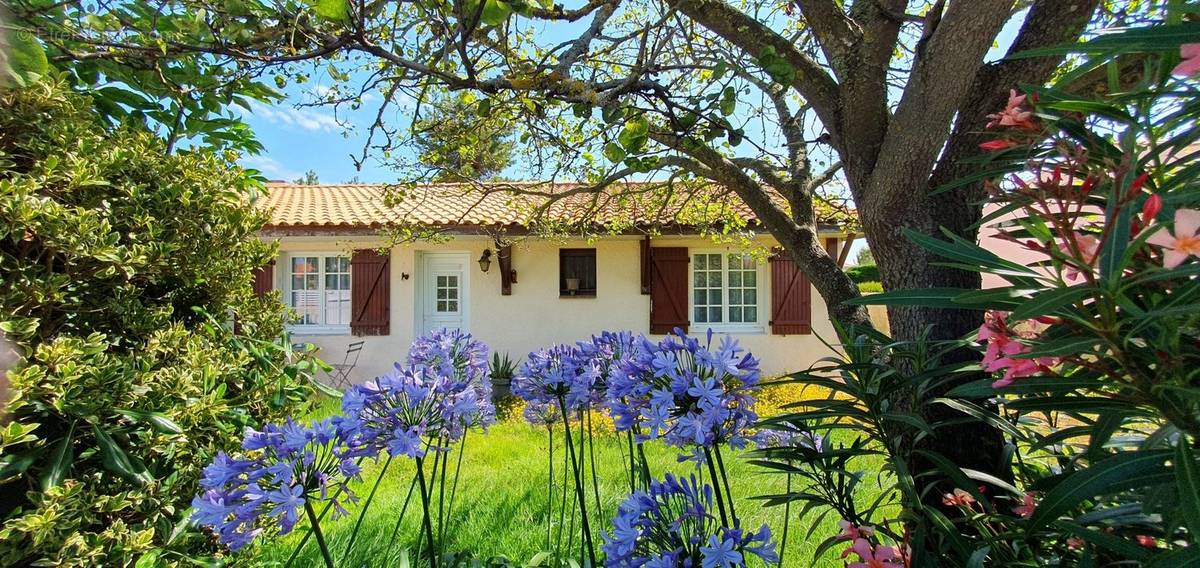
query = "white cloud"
{"x": 304, "y": 118}
{"x": 271, "y": 168}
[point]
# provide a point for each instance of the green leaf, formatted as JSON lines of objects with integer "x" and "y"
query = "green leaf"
{"x": 157, "y": 420}
{"x": 485, "y": 108}
{"x": 614, "y": 152}
{"x": 1101, "y": 478}
{"x": 332, "y": 10}
{"x": 116, "y": 460}
{"x": 1187, "y": 478}
{"x": 149, "y": 559}
{"x": 60, "y": 461}
{"x": 26, "y": 57}
{"x": 1049, "y": 301}
{"x": 637, "y": 126}
{"x": 939, "y": 297}
{"x": 495, "y": 12}
{"x": 1062, "y": 347}
{"x": 1112, "y": 252}
{"x": 728, "y": 101}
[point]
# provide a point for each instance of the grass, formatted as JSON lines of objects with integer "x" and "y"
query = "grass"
{"x": 500, "y": 507}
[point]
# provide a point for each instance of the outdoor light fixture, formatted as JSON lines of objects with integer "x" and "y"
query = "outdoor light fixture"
{"x": 485, "y": 260}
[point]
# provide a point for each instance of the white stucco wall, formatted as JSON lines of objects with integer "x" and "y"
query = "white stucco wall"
{"x": 534, "y": 316}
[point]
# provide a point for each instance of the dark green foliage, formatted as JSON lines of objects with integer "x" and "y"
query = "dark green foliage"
{"x": 459, "y": 142}
{"x": 864, "y": 273}
{"x": 123, "y": 267}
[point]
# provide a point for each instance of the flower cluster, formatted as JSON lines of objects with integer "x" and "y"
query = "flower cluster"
{"x": 413, "y": 409}
{"x": 1004, "y": 347}
{"x": 454, "y": 353}
{"x": 283, "y": 467}
{"x": 687, "y": 393}
{"x": 557, "y": 375}
{"x": 775, "y": 438}
{"x": 672, "y": 525}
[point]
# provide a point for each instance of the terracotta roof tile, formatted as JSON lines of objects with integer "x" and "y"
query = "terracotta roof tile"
{"x": 363, "y": 205}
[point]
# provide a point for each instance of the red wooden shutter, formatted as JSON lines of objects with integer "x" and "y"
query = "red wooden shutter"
{"x": 791, "y": 298}
{"x": 264, "y": 279}
{"x": 370, "y": 293}
{"x": 668, "y": 289}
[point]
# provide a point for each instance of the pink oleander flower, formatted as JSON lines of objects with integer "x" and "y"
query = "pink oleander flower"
{"x": 1190, "y": 52}
{"x": 1075, "y": 543}
{"x": 1027, "y": 506}
{"x": 873, "y": 556}
{"x": 1147, "y": 541}
{"x": 1181, "y": 244}
{"x": 1089, "y": 248}
{"x": 1013, "y": 115}
{"x": 958, "y": 498}
{"x": 1003, "y": 347}
{"x": 851, "y": 532}
{"x": 1151, "y": 208}
{"x": 998, "y": 144}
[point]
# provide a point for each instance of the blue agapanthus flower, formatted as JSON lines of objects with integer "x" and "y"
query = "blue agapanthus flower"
{"x": 454, "y": 353}
{"x": 672, "y": 525}
{"x": 769, "y": 438}
{"x": 279, "y": 470}
{"x": 559, "y": 375}
{"x": 686, "y": 393}
{"x": 412, "y": 410}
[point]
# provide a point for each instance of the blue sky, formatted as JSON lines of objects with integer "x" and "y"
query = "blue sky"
{"x": 301, "y": 138}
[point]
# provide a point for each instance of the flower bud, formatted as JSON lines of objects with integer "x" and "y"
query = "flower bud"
{"x": 1150, "y": 208}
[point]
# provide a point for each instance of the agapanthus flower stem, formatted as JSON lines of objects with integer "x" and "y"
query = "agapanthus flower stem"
{"x": 366, "y": 506}
{"x": 787, "y": 517}
{"x": 712, "y": 473}
{"x": 425, "y": 518}
{"x": 462, "y": 447}
{"x": 550, "y": 487}
{"x": 725, "y": 482}
{"x": 632, "y": 462}
{"x": 579, "y": 492}
{"x": 316, "y": 527}
{"x": 403, "y": 509}
{"x": 592, "y": 461}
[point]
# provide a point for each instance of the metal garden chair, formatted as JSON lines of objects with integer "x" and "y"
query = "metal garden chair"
{"x": 339, "y": 378}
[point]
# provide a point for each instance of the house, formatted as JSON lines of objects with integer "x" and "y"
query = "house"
{"x": 526, "y": 293}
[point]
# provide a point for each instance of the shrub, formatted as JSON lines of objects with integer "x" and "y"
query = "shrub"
{"x": 121, "y": 264}
{"x": 864, "y": 273}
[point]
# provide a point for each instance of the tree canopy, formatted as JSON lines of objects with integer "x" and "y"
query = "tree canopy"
{"x": 770, "y": 101}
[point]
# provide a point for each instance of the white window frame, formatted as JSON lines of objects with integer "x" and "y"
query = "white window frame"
{"x": 313, "y": 329}
{"x": 726, "y": 326}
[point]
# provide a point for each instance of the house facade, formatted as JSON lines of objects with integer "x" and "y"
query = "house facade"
{"x": 523, "y": 293}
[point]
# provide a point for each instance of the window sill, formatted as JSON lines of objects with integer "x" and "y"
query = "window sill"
{"x": 730, "y": 329}
{"x": 577, "y": 295}
{"x": 311, "y": 330}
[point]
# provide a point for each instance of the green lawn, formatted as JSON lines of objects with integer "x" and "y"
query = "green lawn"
{"x": 501, "y": 508}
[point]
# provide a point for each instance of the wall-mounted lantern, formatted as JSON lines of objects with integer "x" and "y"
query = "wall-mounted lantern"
{"x": 485, "y": 260}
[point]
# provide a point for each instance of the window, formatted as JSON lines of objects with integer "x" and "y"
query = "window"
{"x": 724, "y": 290}
{"x": 446, "y": 288}
{"x": 320, "y": 290}
{"x": 577, "y": 272}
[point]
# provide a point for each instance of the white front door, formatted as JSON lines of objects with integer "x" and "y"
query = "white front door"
{"x": 443, "y": 294}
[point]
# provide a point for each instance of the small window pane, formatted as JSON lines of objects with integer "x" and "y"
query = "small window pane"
{"x": 453, "y": 306}
{"x": 735, "y": 315}
{"x": 735, "y": 278}
{"x": 750, "y": 315}
{"x": 714, "y": 315}
{"x": 750, "y": 297}
{"x": 441, "y": 294}
{"x": 345, "y": 282}
{"x": 735, "y": 297}
{"x": 751, "y": 279}
{"x": 701, "y": 263}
